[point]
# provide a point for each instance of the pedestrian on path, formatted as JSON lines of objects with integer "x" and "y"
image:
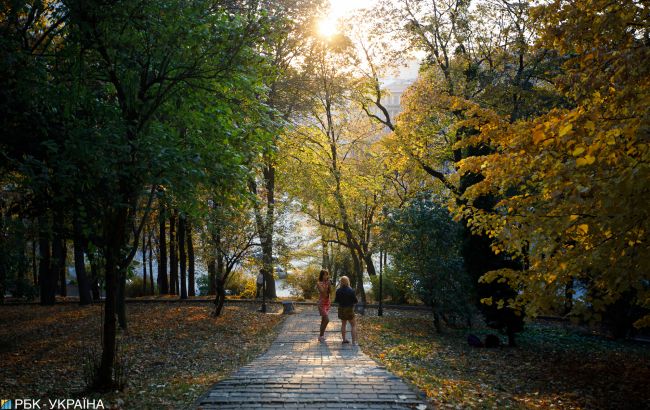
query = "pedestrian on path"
{"x": 346, "y": 299}
{"x": 324, "y": 304}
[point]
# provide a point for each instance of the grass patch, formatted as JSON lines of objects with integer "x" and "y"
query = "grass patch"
{"x": 173, "y": 352}
{"x": 553, "y": 367}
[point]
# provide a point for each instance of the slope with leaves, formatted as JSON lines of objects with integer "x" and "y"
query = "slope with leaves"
{"x": 172, "y": 353}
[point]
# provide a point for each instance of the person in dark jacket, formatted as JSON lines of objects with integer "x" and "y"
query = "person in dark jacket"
{"x": 346, "y": 299}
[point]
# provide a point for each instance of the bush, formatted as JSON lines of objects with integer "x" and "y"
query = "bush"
{"x": 425, "y": 247}
{"x": 396, "y": 288}
{"x": 303, "y": 283}
{"x": 134, "y": 287}
{"x": 240, "y": 284}
{"x": 250, "y": 289}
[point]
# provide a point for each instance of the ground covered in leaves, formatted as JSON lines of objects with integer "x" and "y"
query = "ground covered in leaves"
{"x": 173, "y": 352}
{"x": 554, "y": 366}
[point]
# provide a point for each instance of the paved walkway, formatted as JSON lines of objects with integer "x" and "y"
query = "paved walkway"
{"x": 299, "y": 372}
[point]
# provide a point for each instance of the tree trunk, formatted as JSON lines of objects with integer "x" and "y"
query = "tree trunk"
{"x": 46, "y": 277}
{"x": 370, "y": 265}
{"x": 151, "y": 263}
{"x": 358, "y": 271}
{"x": 190, "y": 255}
{"x": 325, "y": 263}
{"x": 85, "y": 297}
{"x": 94, "y": 276}
{"x": 267, "y": 248}
{"x": 436, "y": 320}
{"x": 212, "y": 277}
{"x": 3, "y": 263}
{"x": 121, "y": 297}
{"x": 163, "y": 284}
{"x": 265, "y": 230}
{"x": 568, "y": 297}
{"x": 144, "y": 262}
{"x": 105, "y": 373}
{"x": 182, "y": 255}
{"x": 59, "y": 251}
{"x": 220, "y": 297}
{"x": 173, "y": 255}
{"x": 116, "y": 241}
{"x": 34, "y": 265}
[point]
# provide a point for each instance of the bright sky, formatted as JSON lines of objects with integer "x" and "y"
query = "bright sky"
{"x": 341, "y": 8}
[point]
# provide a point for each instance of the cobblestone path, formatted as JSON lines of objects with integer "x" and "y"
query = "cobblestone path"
{"x": 299, "y": 372}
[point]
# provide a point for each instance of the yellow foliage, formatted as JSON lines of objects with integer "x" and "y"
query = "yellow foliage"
{"x": 574, "y": 181}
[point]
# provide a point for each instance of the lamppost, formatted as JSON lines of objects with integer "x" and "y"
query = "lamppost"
{"x": 263, "y": 309}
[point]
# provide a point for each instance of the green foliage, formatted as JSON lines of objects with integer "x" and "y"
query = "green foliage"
{"x": 425, "y": 245}
{"x": 397, "y": 288}
{"x": 303, "y": 282}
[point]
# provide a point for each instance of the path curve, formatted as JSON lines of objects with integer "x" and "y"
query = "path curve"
{"x": 299, "y": 372}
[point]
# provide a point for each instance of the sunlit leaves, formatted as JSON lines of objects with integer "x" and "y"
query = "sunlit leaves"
{"x": 574, "y": 182}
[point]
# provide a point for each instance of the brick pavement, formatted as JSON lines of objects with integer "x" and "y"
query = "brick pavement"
{"x": 299, "y": 372}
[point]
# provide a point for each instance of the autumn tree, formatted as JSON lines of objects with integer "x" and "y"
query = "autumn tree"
{"x": 572, "y": 183}
{"x": 292, "y": 24}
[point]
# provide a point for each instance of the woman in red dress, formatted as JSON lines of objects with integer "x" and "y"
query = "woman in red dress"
{"x": 323, "y": 286}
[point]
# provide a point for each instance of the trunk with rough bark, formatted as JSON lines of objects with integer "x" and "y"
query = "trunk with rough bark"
{"x": 190, "y": 262}
{"x": 265, "y": 228}
{"x": 116, "y": 240}
{"x": 144, "y": 263}
{"x": 46, "y": 276}
{"x": 121, "y": 298}
{"x": 370, "y": 265}
{"x": 182, "y": 256}
{"x": 163, "y": 284}
{"x": 212, "y": 277}
{"x": 85, "y": 296}
{"x": 59, "y": 251}
{"x": 220, "y": 297}
{"x": 173, "y": 255}
{"x": 151, "y": 262}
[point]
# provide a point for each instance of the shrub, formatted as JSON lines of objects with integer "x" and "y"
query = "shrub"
{"x": 239, "y": 283}
{"x": 134, "y": 287}
{"x": 249, "y": 287}
{"x": 396, "y": 288}
{"x": 303, "y": 282}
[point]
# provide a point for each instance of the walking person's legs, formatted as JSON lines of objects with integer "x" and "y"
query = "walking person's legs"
{"x": 353, "y": 325}
{"x": 324, "y": 320}
{"x": 343, "y": 324}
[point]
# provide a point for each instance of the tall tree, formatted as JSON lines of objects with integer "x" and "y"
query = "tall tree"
{"x": 572, "y": 181}
{"x": 182, "y": 255}
{"x": 190, "y": 255}
{"x": 173, "y": 254}
{"x": 163, "y": 284}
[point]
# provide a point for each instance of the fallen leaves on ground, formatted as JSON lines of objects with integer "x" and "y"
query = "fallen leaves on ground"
{"x": 552, "y": 367}
{"x": 173, "y": 352}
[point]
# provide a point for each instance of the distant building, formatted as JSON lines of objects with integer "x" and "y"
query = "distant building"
{"x": 396, "y": 86}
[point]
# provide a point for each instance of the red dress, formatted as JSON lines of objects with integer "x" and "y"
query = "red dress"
{"x": 324, "y": 301}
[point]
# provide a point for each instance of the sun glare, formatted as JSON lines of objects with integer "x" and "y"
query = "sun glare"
{"x": 327, "y": 26}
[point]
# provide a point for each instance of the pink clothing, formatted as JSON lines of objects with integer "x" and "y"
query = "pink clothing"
{"x": 324, "y": 300}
